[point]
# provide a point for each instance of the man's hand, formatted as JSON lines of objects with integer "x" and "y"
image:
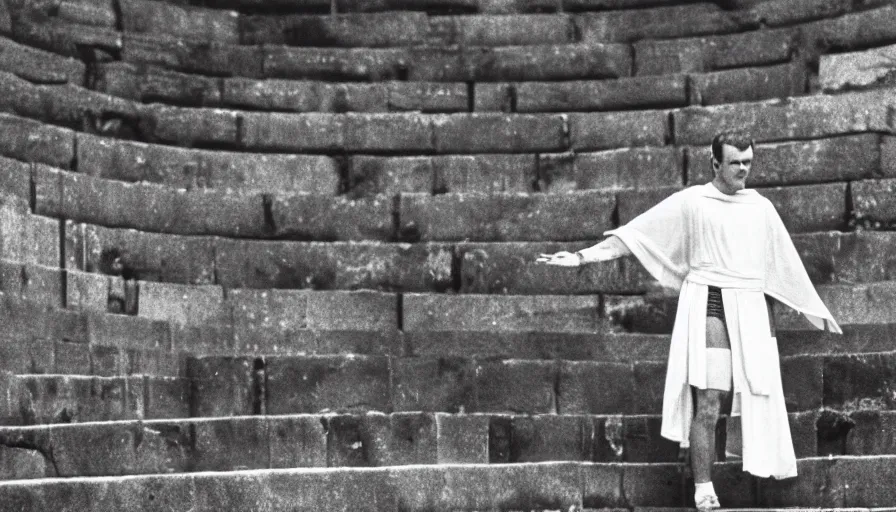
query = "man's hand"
{"x": 561, "y": 259}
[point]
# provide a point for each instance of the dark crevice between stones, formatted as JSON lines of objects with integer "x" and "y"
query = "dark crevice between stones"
{"x": 457, "y": 263}
{"x": 259, "y": 395}
{"x": 63, "y": 271}
{"x": 396, "y": 218}
{"x": 685, "y": 162}
{"x": 500, "y": 439}
{"x": 832, "y": 429}
{"x": 119, "y": 17}
{"x": 471, "y": 96}
{"x": 399, "y": 310}
{"x": 270, "y": 223}
{"x": 670, "y": 135}
{"x": 32, "y": 190}
{"x": 512, "y": 96}
{"x": 851, "y": 219}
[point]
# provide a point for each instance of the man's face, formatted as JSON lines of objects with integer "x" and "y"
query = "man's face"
{"x": 734, "y": 168}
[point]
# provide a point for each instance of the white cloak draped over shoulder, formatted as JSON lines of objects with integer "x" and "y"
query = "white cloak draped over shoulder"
{"x": 699, "y": 237}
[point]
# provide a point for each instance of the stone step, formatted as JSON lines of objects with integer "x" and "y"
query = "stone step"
{"x": 807, "y": 117}
{"x": 873, "y": 201}
{"x": 150, "y": 83}
{"x": 858, "y": 30}
{"x": 858, "y": 304}
{"x": 510, "y": 267}
{"x": 542, "y": 486}
{"x": 483, "y": 132}
{"x": 856, "y": 70}
{"x": 188, "y": 168}
{"x": 30, "y": 399}
{"x": 39, "y": 65}
{"x": 201, "y": 24}
{"x": 506, "y": 217}
{"x": 224, "y": 386}
{"x": 138, "y": 447}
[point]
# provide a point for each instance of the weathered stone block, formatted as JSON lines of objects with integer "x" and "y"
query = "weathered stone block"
{"x": 223, "y": 386}
{"x": 400, "y": 439}
{"x": 654, "y": 485}
{"x": 813, "y": 488}
{"x": 31, "y": 141}
{"x": 21, "y": 463}
{"x": 446, "y": 384}
{"x": 334, "y": 265}
{"x": 200, "y": 57}
{"x": 699, "y": 54}
{"x": 229, "y": 444}
{"x": 71, "y": 399}
{"x": 181, "y": 303}
{"x": 873, "y": 433}
{"x": 335, "y": 64}
{"x": 334, "y": 383}
{"x": 493, "y": 97}
{"x": 192, "y": 168}
{"x": 802, "y": 378}
{"x": 510, "y": 268}
{"x": 602, "y": 485}
{"x": 512, "y": 313}
{"x": 327, "y": 218}
{"x": 797, "y": 118}
{"x": 428, "y": 96}
{"x": 619, "y": 94}
{"x": 199, "y": 24}
{"x": 484, "y": 173}
{"x": 857, "y": 70}
{"x": 390, "y": 132}
{"x": 462, "y": 438}
{"x": 138, "y": 83}
{"x": 36, "y": 283}
{"x": 506, "y": 30}
{"x": 630, "y": 25}
{"x": 642, "y": 441}
{"x": 140, "y": 255}
{"x": 152, "y": 207}
{"x": 537, "y": 63}
{"x": 873, "y": 200}
{"x": 370, "y": 176}
{"x": 860, "y": 381}
{"x": 810, "y": 207}
{"x": 505, "y": 217}
{"x": 15, "y": 184}
{"x": 297, "y": 441}
{"x": 361, "y": 310}
{"x": 349, "y": 30}
{"x": 169, "y": 398}
{"x": 638, "y": 168}
{"x": 551, "y": 438}
{"x": 190, "y": 126}
{"x": 596, "y": 131}
{"x": 293, "y": 132}
{"x": 516, "y": 386}
{"x": 598, "y": 388}
{"x": 748, "y": 84}
{"x": 38, "y": 65}
{"x": 493, "y": 133}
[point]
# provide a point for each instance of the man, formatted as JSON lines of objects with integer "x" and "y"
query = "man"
{"x": 727, "y": 250}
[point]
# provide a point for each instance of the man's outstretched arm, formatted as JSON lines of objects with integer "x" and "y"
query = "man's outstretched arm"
{"x": 609, "y": 249}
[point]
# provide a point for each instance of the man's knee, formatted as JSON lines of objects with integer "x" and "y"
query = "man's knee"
{"x": 708, "y": 406}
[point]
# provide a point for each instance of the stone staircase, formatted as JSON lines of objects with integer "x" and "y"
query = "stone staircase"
{"x": 279, "y": 255}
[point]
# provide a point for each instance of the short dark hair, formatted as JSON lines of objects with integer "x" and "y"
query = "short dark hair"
{"x": 740, "y": 140}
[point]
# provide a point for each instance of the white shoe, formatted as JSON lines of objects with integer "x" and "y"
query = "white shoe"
{"x": 708, "y": 502}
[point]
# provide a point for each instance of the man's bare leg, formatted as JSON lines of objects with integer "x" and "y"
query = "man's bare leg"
{"x": 707, "y": 409}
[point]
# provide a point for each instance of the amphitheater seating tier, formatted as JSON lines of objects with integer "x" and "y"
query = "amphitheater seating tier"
{"x": 279, "y": 255}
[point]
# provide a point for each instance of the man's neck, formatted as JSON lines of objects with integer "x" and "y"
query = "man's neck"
{"x": 721, "y": 187}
